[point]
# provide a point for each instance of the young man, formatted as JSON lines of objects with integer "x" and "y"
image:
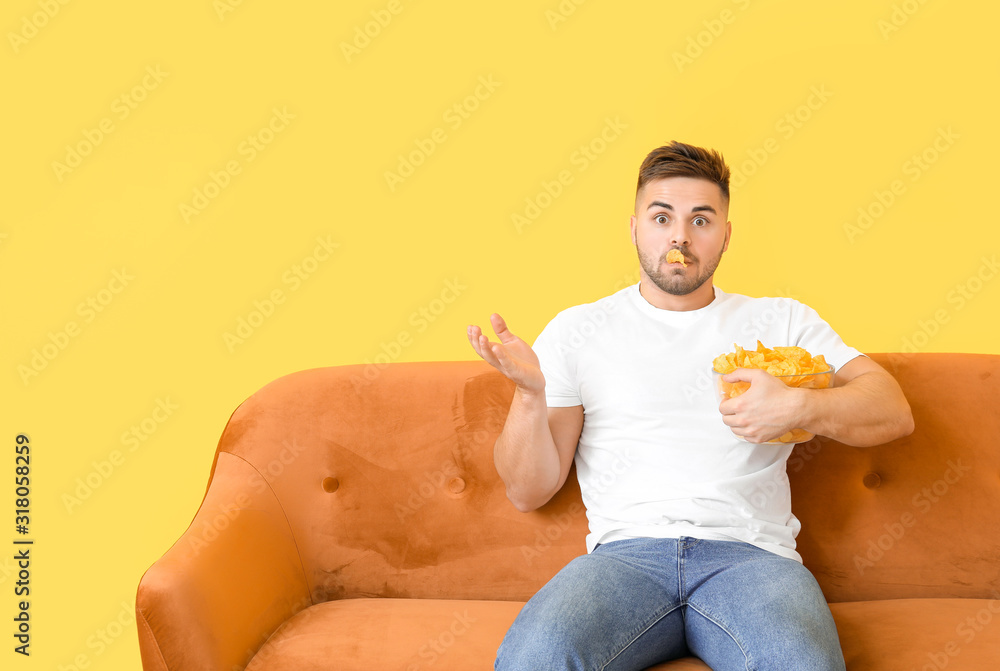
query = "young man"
{"x": 691, "y": 547}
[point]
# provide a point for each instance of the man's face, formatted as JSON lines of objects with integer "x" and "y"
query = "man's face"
{"x": 682, "y": 213}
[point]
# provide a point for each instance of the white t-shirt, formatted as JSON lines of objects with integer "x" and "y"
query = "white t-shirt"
{"x": 655, "y": 458}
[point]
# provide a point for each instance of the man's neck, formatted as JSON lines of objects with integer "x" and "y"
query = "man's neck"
{"x": 697, "y": 299}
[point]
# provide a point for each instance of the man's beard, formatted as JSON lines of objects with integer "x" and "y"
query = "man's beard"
{"x": 676, "y": 281}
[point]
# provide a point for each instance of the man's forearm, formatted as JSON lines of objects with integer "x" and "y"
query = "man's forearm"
{"x": 868, "y": 410}
{"x": 525, "y": 453}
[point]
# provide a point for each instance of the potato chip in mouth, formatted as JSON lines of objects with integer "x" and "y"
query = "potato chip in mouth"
{"x": 676, "y": 256}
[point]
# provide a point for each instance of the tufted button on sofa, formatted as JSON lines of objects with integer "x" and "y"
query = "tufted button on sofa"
{"x": 355, "y": 523}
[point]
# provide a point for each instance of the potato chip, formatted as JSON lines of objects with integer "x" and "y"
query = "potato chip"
{"x": 777, "y": 361}
{"x": 676, "y": 256}
{"x": 794, "y": 366}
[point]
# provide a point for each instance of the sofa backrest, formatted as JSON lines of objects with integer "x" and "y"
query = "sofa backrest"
{"x": 916, "y": 517}
{"x": 387, "y": 482}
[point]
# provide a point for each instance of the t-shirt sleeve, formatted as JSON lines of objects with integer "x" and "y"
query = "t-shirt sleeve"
{"x": 808, "y": 330}
{"x": 558, "y": 366}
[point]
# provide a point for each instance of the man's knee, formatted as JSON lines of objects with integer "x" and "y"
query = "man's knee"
{"x": 540, "y": 650}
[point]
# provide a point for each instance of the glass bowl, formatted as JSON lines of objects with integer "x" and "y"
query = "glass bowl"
{"x": 821, "y": 380}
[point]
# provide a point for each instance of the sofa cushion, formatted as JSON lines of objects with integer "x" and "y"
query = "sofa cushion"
{"x": 918, "y": 634}
{"x": 403, "y": 634}
{"x": 413, "y": 634}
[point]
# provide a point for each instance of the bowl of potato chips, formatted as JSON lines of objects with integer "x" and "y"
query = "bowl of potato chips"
{"x": 794, "y": 366}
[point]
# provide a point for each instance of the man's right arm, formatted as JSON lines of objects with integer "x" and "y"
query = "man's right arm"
{"x": 535, "y": 450}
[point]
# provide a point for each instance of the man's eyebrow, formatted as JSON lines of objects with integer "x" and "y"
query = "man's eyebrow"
{"x": 668, "y": 206}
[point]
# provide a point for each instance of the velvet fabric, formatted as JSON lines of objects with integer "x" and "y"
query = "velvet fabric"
{"x": 354, "y": 519}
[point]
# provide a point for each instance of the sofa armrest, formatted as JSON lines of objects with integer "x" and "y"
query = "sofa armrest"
{"x": 230, "y": 580}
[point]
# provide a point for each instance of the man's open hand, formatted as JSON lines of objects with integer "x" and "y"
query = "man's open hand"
{"x": 511, "y": 356}
{"x": 765, "y": 411}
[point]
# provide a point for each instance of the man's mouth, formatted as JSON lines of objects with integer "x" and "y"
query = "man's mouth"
{"x": 676, "y": 256}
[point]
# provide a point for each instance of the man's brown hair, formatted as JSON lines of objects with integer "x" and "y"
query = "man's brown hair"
{"x": 683, "y": 160}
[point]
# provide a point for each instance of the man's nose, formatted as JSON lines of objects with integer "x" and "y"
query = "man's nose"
{"x": 679, "y": 234}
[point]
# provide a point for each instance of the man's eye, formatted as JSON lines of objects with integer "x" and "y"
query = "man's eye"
{"x": 703, "y": 221}
{"x": 661, "y": 219}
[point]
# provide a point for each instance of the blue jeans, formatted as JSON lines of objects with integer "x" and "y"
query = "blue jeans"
{"x": 634, "y": 603}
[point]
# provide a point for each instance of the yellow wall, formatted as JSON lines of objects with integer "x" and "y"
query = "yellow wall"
{"x": 120, "y": 286}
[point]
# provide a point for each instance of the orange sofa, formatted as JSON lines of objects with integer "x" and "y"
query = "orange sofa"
{"x": 353, "y": 519}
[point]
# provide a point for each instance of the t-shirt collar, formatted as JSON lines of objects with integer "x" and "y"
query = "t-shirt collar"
{"x": 674, "y": 317}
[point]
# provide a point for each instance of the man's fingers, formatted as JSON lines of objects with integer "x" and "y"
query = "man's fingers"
{"x": 500, "y": 327}
{"x": 474, "y": 334}
{"x": 489, "y": 353}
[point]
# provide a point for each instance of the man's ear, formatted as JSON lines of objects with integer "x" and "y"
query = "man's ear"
{"x": 631, "y": 226}
{"x": 729, "y": 234}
